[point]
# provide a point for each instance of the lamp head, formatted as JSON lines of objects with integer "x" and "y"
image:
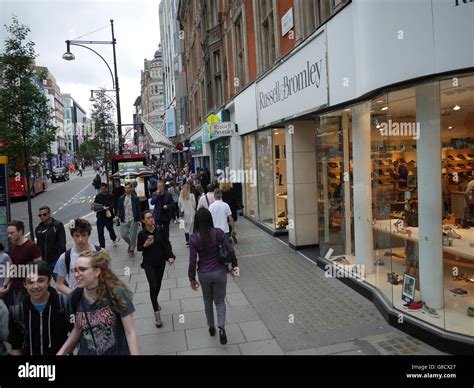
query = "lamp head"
{"x": 68, "y": 56}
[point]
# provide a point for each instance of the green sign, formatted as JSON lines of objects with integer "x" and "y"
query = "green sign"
{"x": 196, "y": 146}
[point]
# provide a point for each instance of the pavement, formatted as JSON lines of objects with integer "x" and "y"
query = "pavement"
{"x": 281, "y": 304}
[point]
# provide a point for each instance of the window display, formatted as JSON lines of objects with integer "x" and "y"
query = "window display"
{"x": 406, "y": 269}
{"x": 265, "y": 172}
{"x": 280, "y": 187}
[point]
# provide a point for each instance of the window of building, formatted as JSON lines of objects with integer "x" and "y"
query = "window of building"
{"x": 208, "y": 85}
{"x": 239, "y": 53}
{"x": 267, "y": 33}
{"x": 217, "y": 77}
{"x": 316, "y": 12}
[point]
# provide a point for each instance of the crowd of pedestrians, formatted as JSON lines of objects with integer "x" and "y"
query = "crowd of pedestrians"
{"x": 36, "y": 307}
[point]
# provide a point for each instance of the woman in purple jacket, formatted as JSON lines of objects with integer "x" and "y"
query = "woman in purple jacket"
{"x": 212, "y": 273}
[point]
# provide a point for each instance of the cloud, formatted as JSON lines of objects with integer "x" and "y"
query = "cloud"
{"x": 136, "y": 25}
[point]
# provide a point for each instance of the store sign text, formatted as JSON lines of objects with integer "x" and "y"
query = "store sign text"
{"x": 222, "y": 129}
{"x": 291, "y": 85}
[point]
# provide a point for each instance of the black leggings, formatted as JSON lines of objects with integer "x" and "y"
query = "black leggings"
{"x": 154, "y": 275}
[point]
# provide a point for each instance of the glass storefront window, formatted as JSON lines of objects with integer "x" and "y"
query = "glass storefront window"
{"x": 457, "y": 154}
{"x": 334, "y": 172}
{"x": 279, "y": 183}
{"x": 265, "y": 172}
{"x": 221, "y": 153}
{"x": 250, "y": 162}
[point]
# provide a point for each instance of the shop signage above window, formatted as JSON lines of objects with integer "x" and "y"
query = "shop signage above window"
{"x": 216, "y": 126}
{"x": 222, "y": 129}
{"x": 297, "y": 86}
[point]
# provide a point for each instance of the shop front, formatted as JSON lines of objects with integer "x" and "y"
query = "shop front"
{"x": 396, "y": 197}
{"x": 200, "y": 152}
{"x": 217, "y": 132}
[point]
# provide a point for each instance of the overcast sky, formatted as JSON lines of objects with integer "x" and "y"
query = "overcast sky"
{"x": 136, "y": 25}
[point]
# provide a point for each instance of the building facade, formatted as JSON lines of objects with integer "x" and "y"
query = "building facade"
{"x": 176, "y": 122}
{"x": 152, "y": 90}
{"x": 347, "y": 138}
{"x": 75, "y": 124}
{"x": 58, "y": 148}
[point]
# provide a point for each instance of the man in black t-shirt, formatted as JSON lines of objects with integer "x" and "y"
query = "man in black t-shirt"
{"x": 104, "y": 207}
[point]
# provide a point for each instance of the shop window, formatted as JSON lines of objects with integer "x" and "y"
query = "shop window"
{"x": 280, "y": 180}
{"x": 266, "y": 178}
{"x": 334, "y": 167}
{"x": 250, "y": 163}
{"x": 457, "y": 154}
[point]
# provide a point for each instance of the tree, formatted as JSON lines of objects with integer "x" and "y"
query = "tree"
{"x": 26, "y": 120}
{"x": 102, "y": 119}
{"x": 89, "y": 150}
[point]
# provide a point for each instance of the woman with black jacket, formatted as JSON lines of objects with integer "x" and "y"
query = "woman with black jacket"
{"x": 39, "y": 325}
{"x": 157, "y": 250}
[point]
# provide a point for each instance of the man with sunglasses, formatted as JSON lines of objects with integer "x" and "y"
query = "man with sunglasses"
{"x": 50, "y": 237}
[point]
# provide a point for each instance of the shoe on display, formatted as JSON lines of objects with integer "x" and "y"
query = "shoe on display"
{"x": 452, "y": 234}
{"x": 415, "y": 306}
{"x": 460, "y": 165}
{"x": 394, "y": 279}
{"x": 470, "y": 311}
{"x": 458, "y": 292}
{"x": 379, "y": 262}
{"x": 341, "y": 260}
{"x": 469, "y": 277}
{"x": 451, "y": 157}
{"x": 461, "y": 156}
{"x": 430, "y": 311}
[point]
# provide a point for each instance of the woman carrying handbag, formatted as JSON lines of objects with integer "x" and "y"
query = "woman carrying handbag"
{"x": 210, "y": 245}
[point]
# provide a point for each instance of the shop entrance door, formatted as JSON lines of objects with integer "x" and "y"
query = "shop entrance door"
{"x": 333, "y": 138}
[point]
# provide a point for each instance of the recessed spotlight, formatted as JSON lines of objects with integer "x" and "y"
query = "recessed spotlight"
{"x": 450, "y": 127}
{"x": 347, "y": 110}
{"x": 380, "y": 101}
{"x": 456, "y": 107}
{"x": 385, "y": 108}
{"x": 276, "y": 133}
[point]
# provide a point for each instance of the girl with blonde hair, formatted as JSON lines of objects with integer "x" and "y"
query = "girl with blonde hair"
{"x": 187, "y": 204}
{"x": 102, "y": 307}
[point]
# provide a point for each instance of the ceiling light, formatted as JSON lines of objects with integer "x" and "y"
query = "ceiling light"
{"x": 450, "y": 127}
{"x": 385, "y": 108}
{"x": 276, "y": 133}
{"x": 380, "y": 101}
{"x": 456, "y": 107}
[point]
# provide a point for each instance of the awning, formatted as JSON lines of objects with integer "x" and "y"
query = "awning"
{"x": 156, "y": 136}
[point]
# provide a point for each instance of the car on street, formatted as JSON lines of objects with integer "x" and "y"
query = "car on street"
{"x": 59, "y": 174}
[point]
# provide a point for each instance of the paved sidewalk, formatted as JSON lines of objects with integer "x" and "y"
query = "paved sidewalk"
{"x": 280, "y": 304}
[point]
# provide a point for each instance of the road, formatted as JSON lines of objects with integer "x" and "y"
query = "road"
{"x": 67, "y": 200}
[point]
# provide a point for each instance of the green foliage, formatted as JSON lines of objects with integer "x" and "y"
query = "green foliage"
{"x": 26, "y": 124}
{"x": 102, "y": 118}
{"x": 90, "y": 150}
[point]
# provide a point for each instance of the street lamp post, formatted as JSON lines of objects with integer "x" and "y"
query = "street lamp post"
{"x": 69, "y": 56}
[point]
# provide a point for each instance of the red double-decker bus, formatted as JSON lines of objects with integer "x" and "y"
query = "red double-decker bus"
{"x": 17, "y": 180}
